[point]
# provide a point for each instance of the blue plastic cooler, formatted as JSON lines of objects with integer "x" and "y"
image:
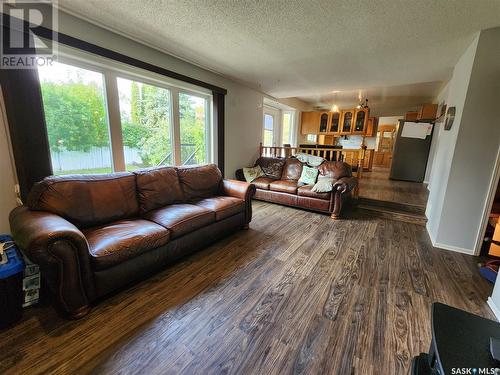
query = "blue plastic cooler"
{"x": 11, "y": 285}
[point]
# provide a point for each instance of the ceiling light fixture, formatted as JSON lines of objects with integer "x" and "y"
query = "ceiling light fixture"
{"x": 363, "y": 105}
{"x": 335, "y": 108}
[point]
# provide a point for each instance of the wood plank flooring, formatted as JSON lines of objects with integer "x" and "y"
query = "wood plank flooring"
{"x": 376, "y": 185}
{"x": 297, "y": 293}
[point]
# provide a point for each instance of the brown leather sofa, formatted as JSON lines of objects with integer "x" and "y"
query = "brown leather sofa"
{"x": 92, "y": 234}
{"x": 280, "y": 185}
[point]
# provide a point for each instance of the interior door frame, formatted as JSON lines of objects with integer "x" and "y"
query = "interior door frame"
{"x": 488, "y": 204}
{"x": 276, "y": 114}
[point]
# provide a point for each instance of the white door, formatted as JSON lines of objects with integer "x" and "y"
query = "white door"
{"x": 270, "y": 131}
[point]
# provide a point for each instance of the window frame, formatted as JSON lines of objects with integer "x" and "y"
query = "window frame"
{"x": 293, "y": 126}
{"x": 111, "y": 71}
{"x": 276, "y": 115}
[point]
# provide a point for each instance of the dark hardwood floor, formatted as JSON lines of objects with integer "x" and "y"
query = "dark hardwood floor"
{"x": 297, "y": 293}
{"x": 377, "y": 185}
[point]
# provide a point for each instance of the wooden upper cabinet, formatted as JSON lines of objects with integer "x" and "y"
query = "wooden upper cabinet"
{"x": 324, "y": 121}
{"x": 427, "y": 112}
{"x": 347, "y": 119}
{"x": 371, "y": 127}
{"x": 309, "y": 123}
{"x": 360, "y": 120}
{"x": 334, "y": 123}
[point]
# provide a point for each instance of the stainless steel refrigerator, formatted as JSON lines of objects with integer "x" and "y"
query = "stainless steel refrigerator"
{"x": 411, "y": 151}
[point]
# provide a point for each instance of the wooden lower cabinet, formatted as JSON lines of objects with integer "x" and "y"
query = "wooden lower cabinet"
{"x": 351, "y": 157}
{"x": 382, "y": 159}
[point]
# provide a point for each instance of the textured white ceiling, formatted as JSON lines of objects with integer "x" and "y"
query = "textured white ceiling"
{"x": 307, "y": 49}
{"x": 383, "y": 101}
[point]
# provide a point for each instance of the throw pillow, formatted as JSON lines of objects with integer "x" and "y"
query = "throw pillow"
{"x": 252, "y": 173}
{"x": 312, "y": 160}
{"x": 308, "y": 176}
{"x": 324, "y": 185}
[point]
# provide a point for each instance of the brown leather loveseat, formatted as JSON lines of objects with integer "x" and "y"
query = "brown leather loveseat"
{"x": 280, "y": 184}
{"x": 92, "y": 234}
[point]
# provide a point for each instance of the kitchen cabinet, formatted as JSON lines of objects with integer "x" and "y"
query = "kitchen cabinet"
{"x": 411, "y": 116}
{"x": 334, "y": 123}
{"x": 371, "y": 127}
{"x": 310, "y": 123}
{"x": 324, "y": 121}
{"x": 347, "y": 118}
{"x": 349, "y": 121}
{"x": 360, "y": 120}
{"x": 427, "y": 112}
{"x": 351, "y": 157}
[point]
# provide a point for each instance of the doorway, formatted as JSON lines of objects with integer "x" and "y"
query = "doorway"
{"x": 376, "y": 184}
{"x": 271, "y": 127}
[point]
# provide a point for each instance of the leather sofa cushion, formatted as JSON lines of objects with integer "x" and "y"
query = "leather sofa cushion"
{"x": 158, "y": 187}
{"x": 306, "y": 191}
{"x": 223, "y": 206}
{"x": 292, "y": 169}
{"x": 335, "y": 169}
{"x": 277, "y": 197}
{"x": 288, "y": 186}
{"x": 272, "y": 167}
{"x": 182, "y": 218}
{"x": 122, "y": 240}
{"x": 313, "y": 203}
{"x": 87, "y": 200}
{"x": 199, "y": 181}
{"x": 263, "y": 182}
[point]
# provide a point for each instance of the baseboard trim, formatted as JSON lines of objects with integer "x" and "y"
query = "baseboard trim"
{"x": 445, "y": 246}
{"x": 494, "y": 308}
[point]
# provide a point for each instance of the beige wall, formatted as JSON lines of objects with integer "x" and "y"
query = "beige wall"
{"x": 7, "y": 182}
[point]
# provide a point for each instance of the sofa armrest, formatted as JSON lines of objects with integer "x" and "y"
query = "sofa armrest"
{"x": 238, "y": 189}
{"x": 345, "y": 184}
{"x": 242, "y": 190}
{"x": 62, "y": 252}
{"x": 341, "y": 187}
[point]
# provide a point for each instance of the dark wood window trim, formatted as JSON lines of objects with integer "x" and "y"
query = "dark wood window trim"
{"x": 26, "y": 116}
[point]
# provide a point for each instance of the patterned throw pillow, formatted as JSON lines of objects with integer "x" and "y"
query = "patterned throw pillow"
{"x": 308, "y": 176}
{"x": 313, "y": 161}
{"x": 324, "y": 185}
{"x": 252, "y": 173}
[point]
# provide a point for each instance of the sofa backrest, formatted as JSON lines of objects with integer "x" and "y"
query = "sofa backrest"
{"x": 335, "y": 169}
{"x": 199, "y": 181}
{"x": 292, "y": 169}
{"x": 158, "y": 187}
{"x": 272, "y": 167}
{"x": 87, "y": 200}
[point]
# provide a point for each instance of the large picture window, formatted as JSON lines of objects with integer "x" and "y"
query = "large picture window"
{"x": 101, "y": 119}
{"x": 145, "y": 112}
{"x": 193, "y": 129}
{"x": 76, "y": 118}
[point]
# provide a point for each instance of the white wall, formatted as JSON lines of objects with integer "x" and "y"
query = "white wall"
{"x": 466, "y": 155}
{"x": 442, "y": 96}
{"x": 7, "y": 195}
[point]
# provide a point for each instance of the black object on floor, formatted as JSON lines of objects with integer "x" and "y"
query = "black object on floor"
{"x": 460, "y": 340}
